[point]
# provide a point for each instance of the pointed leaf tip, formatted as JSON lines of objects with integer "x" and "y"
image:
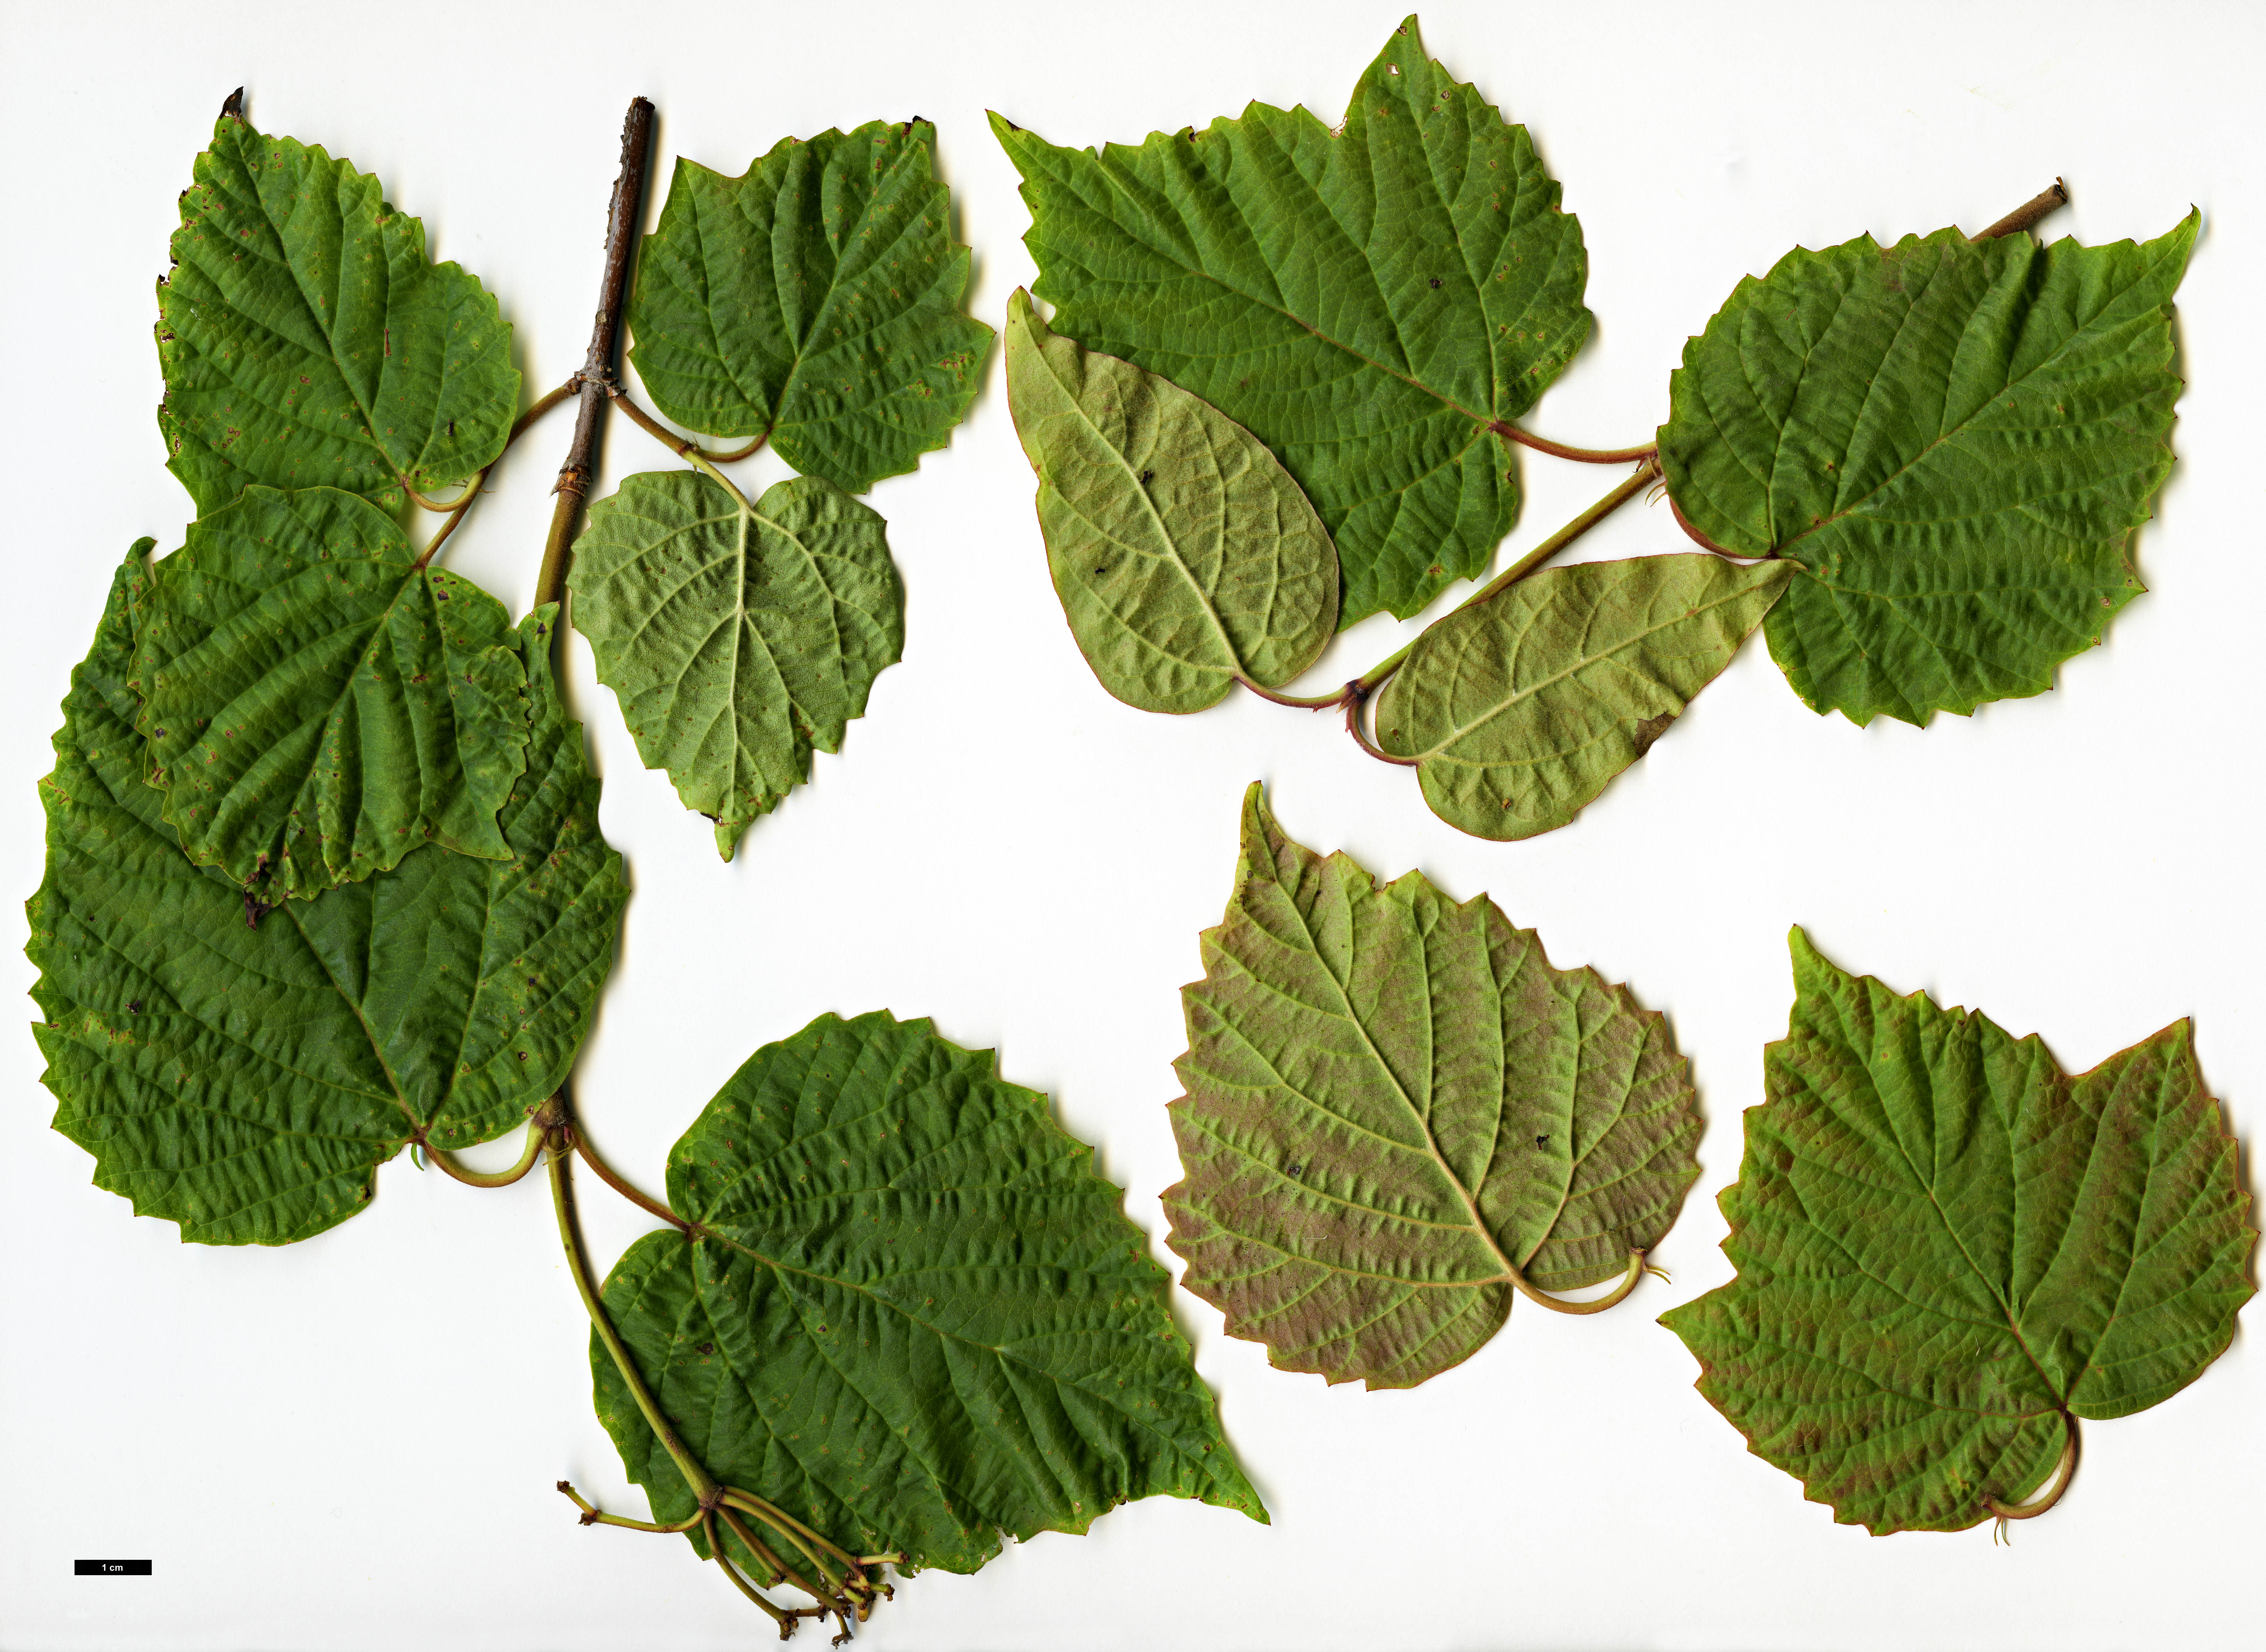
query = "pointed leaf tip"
{"x": 820, "y": 1174}
{"x": 268, "y": 383}
{"x": 1463, "y": 303}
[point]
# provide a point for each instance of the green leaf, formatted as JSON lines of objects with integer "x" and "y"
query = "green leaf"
{"x": 1521, "y": 708}
{"x": 1186, "y": 558}
{"x": 736, "y": 638}
{"x": 1367, "y": 302}
{"x": 1398, "y": 1114}
{"x": 1955, "y": 440}
{"x": 815, "y": 298}
{"x": 1949, "y": 1251}
{"x": 318, "y": 705}
{"x": 308, "y": 341}
{"x": 247, "y": 1083}
{"x": 915, "y": 1319}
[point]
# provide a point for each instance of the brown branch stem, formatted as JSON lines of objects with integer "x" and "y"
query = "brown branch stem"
{"x": 2028, "y": 213}
{"x": 622, "y": 221}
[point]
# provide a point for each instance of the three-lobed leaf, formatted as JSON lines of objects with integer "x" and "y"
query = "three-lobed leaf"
{"x": 1949, "y": 1251}
{"x": 1954, "y": 440}
{"x": 815, "y": 299}
{"x": 1398, "y": 1111}
{"x": 913, "y": 1316}
{"x": 307, "y": 341}
{"x": 245, "y": 1082}
{"x": 736, "y": 637}
{"x": 1186, "y": 558}
{"x": 1367, "y": 301}
{"x": 1521, "y": 708}
{"x": 318, "y": 706}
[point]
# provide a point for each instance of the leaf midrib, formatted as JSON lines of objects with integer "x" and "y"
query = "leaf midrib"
{"x": 998, "y": 1351}
{"x": 2006, "y": 1308}
{"x": 1998, "y": 398}
{"x": 1423, "y": 1123}
{"x": 1481, "y": 418}
{"x": 1149, "y": 505}
{"x": 1458, "y": 731}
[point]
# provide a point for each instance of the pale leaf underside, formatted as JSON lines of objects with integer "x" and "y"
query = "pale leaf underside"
{"x": 917, "y": 1320}
{"x": 1366, "y": 302}
{"x": 1949, "y": 1250}
{"x": 1185, "y": 557}
{"x": 247, "y": 1083}
{"x": 307, "y": 341}
{"x": 1395, "y": 1105}
{"x": 816, "y": 299}
{"x": 736, "y": 638}
{"x": 1522, "y": 708}
{"x": 1954, "y": 440}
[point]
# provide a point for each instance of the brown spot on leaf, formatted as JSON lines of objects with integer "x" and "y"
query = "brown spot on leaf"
{"x": 1651, "y": 729}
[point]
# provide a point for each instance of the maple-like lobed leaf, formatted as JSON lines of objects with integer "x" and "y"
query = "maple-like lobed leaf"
{"x": 1185, "y": 557}
{"x": 736, "y": 638}
{"x": 1522, "y": 708}
{"x": 1954, "y": 440}
{"x": 318, "y": 706}
{"x": 307, "y": 341}
{"x": 1366, "y": 302}
{"x": 1394, "y": 1104}
{"x": 915, "y": 1317}
{"x": 246, "y": 1082}
{"x": 1947, "y": 1249}
{"x": 816, "y": 299}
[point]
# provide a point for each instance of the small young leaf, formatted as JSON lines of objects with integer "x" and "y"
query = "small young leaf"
{"x": 1184, "y": 555}
{"x": 1398, "y": 1113}
{"x": 815, "y": 298}
{"x": 308, "y": 341}
{"x": 1523, "y": 707}
{"x": 317, "y": 704}
{"x": 736, "y": 640}
{"x": 915, "y": 1319}
{"x": 247, "y": 1083}
{"x": 1953, "y": 439}
{"x": 1949, "y": 1251}
{"x": 1365, "y": 302}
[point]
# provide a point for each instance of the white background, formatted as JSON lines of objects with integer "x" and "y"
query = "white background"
{"x": 351, "y": 1443}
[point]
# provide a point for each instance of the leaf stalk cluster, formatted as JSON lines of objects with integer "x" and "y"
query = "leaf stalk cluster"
{"x": 843, "y": 1585}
